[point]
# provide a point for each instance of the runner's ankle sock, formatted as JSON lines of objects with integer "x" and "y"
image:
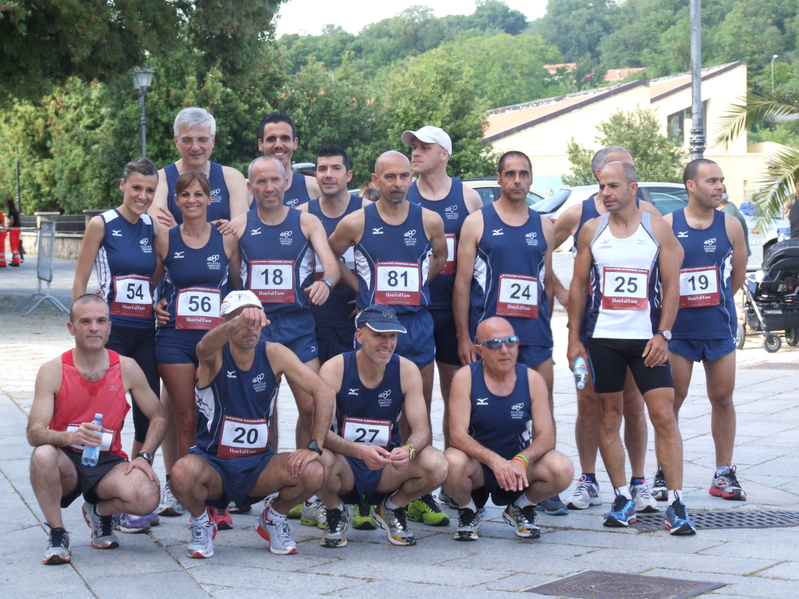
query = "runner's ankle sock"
{"x": 522, "y": 501}
{"x": 469, "y": 506}
{"x": 590, "y": 476}
{"x": 624, "y": 491}
{"x": 637, "y": 481}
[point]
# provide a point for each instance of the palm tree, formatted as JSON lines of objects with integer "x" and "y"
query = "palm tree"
{"x": 780, "y": 180}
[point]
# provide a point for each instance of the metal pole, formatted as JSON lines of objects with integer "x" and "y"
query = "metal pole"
{"x": 142, "y": 97}
{"x": 697, "y": 119}
{"x": 773, "y": 58}
{"x": 19, "y": 197}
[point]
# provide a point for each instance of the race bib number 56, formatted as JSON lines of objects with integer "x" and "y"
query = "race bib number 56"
{"x": 198, "y": 308}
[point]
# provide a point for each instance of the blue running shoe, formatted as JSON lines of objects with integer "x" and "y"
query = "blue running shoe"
{"x": 677, "y": 520}
{"x": 553, "y": 507}
{"x": 622, "y": 514}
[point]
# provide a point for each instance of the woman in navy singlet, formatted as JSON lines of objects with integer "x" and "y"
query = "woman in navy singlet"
{"x": 194, "y": 258}
{"x": 119, "y": 243}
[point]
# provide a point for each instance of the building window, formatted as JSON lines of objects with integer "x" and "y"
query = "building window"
{"x": 675, "y": 124}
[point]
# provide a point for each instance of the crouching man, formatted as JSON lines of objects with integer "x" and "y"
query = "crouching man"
{"x": 233, "y": 460}
{"x": 364, "y": 459}
{"x": 70, "y": 390}
{"x": 502, "y": 436}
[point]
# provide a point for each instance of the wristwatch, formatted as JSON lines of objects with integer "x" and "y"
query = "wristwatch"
{"x": 665, "y": 334}
{"x": 148, "y": 457}
{"x": 411, "y": 453}
{"x": 328, "y": 282}
{"x": 314, "y": 446}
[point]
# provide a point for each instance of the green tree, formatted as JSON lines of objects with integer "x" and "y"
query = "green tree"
{"x": 577, "y": 27}
{"x": 656, "y": 158}
{"x": 432, "y": 90}
{"x": 492, "y": 14}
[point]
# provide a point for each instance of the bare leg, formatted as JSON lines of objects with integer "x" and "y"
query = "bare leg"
{"x": 179, "y": 381}
{"x": 668, "y": 441}
{"x": 169, "y": 447}
{"x": 305, "y": 406}
{"x": 635, "y": 430}
{"x": 131, "y": 493}
{"x": 445, "y": 374}
{"x": 720, "y": 384}
{"x": 610, "y": 413}
{"x": 52, "y": 476}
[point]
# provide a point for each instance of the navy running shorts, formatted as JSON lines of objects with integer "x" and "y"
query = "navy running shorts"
{"x": 295, "y": 330}
{"x": 702, "y": 350}
{"x": 491, "y": 488}
{"x": 177, "y": 347}
{"x": 238, "y": 475}
{"x": 445, "y": 337}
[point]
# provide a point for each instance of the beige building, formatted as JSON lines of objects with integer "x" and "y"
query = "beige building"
{"x": 542, "y": 129}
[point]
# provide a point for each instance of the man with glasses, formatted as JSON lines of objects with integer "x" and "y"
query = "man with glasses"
{"x": 502, "y": 435}
{"x": 195, "y": 135}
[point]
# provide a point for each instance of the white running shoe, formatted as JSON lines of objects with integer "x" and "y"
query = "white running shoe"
{"x": 277, "y": 533}
{"x": 585, "y": 495}
{"x": 202, "y": 538}
{"x": 169, "y": 506}
{"x": 645, "y": 503}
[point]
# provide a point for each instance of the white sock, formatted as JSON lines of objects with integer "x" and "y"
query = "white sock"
{"x": 722, "y": 470}
{"x": 522, "y": 501}
{"x": 273, "y": 515}
{"x": 204, "y": 518}
{"x": 311, "y": 499}
{"x": 624, "y": 491}
{"x": 676, "y": 494}
{"x": 469, "y": 506}
{"x": 390, "y": 504}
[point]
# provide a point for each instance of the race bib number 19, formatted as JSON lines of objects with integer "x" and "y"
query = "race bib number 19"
{"x": 699, "y": 287}
{"x": 625, "y": 288}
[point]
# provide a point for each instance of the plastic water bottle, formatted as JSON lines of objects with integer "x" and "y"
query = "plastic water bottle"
{"x": 90, "y": 454}
{"x": 580, "y": 373}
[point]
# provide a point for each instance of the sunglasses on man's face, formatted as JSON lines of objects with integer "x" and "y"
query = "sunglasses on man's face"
{"x": 509, "y": 342}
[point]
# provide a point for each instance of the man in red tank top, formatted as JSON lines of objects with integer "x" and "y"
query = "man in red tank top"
{"x": 70, "y": 390}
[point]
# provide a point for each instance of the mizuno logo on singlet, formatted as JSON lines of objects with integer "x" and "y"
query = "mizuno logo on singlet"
{"x": 116, "y": 233}
{"x": 231, "y": 374}
{"x": 256, "y": 231}
{"x": 498, "y": 232}
{"x": 682, "y": 234}
{"x": 482, "y": 401}
{"x": 178, "y": 255}
{"x": 353, "y": 392}
{"x": 377, "y": 231}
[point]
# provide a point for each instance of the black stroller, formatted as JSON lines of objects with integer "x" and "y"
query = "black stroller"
{"x": 770, "y": 302}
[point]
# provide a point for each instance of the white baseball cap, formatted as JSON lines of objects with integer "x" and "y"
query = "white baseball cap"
{"x": 430, "y": 135}
{"x": 239, "y": 299}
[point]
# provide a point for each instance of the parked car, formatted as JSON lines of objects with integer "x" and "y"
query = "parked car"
{"x": 666, "y": 197}
{"x": 489, "y": 190}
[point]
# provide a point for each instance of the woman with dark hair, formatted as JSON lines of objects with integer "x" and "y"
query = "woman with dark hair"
{"x": 194, "y": 257}
{"x": 13, "y": 224}
{"x": 120, "y": 244}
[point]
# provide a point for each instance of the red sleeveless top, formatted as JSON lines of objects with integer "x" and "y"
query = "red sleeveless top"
{"x": 78, "y": 400}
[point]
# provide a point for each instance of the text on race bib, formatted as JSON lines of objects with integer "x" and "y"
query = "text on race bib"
{"x": 517, "y": 296}
{"x": 699, "y": 287}
{"x": 398, "y": 283}
{"x": 108, "y": 438}
{"x": 625, "y": 288}
{"x": 242, "y": 437}
{"x": 367, "y": 432}
{"x": 132, "y": 296}
{"x": 452, "y": 255}
{"x": 198, "y": 308}
{"x": 273, "y": 280}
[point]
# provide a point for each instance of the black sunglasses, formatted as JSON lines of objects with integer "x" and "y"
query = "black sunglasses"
{"x": 509, "y": 342}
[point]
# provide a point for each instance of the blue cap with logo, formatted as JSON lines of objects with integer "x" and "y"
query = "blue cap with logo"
{"x": 382, "y": 319}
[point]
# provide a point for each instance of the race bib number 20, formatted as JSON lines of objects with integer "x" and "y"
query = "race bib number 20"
{"x": 242, "y": 437}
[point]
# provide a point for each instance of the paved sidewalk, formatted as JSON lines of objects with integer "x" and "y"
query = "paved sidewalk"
{"x": 752, "y": 562}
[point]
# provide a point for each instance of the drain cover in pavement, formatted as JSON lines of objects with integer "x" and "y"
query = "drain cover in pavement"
{"x": 610, "y": 585}
{"x": 728, "y": 519}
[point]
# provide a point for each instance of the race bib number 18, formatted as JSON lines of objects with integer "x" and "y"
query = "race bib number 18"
{"x": 273, "y": 281}
{"x": 625, "y": 288}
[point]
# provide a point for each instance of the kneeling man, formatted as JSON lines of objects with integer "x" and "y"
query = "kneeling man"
{"x": 364, "y": 459}
{"x": 502, "y": 435}
{"x": 69, "y": 391}
{"x": 233, "y": 459}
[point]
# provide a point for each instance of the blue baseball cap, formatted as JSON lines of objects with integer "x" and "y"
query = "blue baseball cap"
{"x": 382, "y": 319}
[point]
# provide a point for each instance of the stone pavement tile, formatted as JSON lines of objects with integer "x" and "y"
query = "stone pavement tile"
{"x": 257, "y": 593}
{"x": 34, "y": 579}
{"x": 736, "y": 586}
{"x": 412, "y": 590}
{"x": 782, "y": 571}
{"x": 776, "y": 544}
{"x": 277, "y": 582}
{"x": 156, "y": 585}
{"x": 516, "y": 582}
{"x": 138, "y": 551}
{"x": 79, "y": 592}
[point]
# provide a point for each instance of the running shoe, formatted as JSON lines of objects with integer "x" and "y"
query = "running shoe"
{"x": 103, "y": 536}
{"x": 395, "y": 523}
{"x": 169, "y": 506}
{"x": 726, "y": 485}
{"x": 295, "y": 513}
{"x": 314, "y": 513}
{"x": 677, "y": 520}
{"x": 336, "y": 524}
{"x": 235, "y": 509}
{"x": 277, "y": 533}
{"x": 622, "y": 514}
{"x": 553, "y": 506}
{"x": 444, "y": 498}
{"x": 523, "y": 520}
{"x": 659, "y": 489}
{"x": 642, "y": 497}
{"x": 426, "y": 510}
{"x": 362, "y": 516}
{"x": 58, "y": 551}
{"x": 153, "y": 518}
{"x": 202, "y": 538}
{"x": 222, "y": 519}
{"x": 468, "y": 525}
{"x": 585, "y": 494}
{"x": 130, "y": 524}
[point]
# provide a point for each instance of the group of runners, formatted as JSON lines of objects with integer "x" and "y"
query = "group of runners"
{"x": 354, "y": 303}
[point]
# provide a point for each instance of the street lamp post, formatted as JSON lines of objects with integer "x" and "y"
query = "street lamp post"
{"x": 773, "y": 58}
{"x": 142, "y": 79}
{"x": 697, "y": 118}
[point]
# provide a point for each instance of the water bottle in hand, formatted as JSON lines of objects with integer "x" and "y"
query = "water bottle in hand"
{"x": 580, "y": 373}
{"x": 90, "y": 454}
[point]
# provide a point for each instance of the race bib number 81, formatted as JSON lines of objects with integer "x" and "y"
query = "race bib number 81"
{"x": 398, "y": 283}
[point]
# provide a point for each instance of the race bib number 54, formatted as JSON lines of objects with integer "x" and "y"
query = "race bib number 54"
{"x": 132, "y": 296}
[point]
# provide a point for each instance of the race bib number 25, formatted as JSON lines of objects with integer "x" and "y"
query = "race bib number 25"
{"x": 625, "y": 288}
